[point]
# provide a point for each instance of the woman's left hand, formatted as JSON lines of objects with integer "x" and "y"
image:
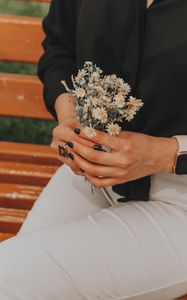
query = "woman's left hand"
{"x": 133, "y": 155}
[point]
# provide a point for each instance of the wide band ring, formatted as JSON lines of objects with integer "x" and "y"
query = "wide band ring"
{"x": 62, "y": 150}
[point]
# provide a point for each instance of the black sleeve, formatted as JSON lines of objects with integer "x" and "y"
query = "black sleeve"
{"x": 58, "y": 61}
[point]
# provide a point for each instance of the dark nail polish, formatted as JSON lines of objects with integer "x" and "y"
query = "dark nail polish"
{"x": 70, "y": 155}
{"x": 97, "y": 147}
{"x": 70, "y": 144}
{"x": 122, "y": 200}
{"x": 82, "y": 170}
{"x": 77, "y": 130}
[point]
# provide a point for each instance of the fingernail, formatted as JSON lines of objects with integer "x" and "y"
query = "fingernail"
{"x": 122, "y": 200}
{"x": 77, "y": 130}
{"x": 82, "y": 170}
{"x": 97, "y": 147}
{"x": 70, "y": 144}
{"x": 70, "y": 155}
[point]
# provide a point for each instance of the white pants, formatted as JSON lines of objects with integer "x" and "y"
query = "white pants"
{"x": 76, "y": 246}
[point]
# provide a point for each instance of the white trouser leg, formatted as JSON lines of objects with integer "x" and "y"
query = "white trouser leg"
{"x": 134, "y": 250}
{"x": 65, "y": 198}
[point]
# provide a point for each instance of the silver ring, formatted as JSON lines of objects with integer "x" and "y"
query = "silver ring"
{"x": 62, "y": 150}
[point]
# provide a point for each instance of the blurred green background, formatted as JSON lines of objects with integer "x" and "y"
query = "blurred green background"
{"x": 21, "y": 129}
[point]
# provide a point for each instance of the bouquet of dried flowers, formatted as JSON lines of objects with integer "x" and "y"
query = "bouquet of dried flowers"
{"x": 102, "y": 101}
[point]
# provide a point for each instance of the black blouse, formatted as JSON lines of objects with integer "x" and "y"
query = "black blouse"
{"x": 146, "y": 47}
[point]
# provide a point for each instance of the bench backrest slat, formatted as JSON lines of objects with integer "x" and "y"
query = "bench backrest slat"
{"x": 20, "y": 39}
{"x": 21, "y": 96}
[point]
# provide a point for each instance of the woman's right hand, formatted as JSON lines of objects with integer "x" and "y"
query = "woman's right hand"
{"x": 64, "y": 132}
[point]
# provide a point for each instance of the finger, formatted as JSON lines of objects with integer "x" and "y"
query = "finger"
{"x": 72, "y": 165}
{"x": 97, "y": 170}
{"x": 103, "y": 182}
{"x": 68, "y": 135}
{"x": 98, "y": 157}
{"x": 103, "y": 138}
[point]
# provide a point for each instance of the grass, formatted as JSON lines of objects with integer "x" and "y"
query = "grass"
{"x": 26, "y": 130}
{"x": 23, "y": 8}
{"x": 21, "y": 129}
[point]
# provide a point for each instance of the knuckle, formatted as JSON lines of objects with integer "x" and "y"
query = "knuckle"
{"x": 92, "y": 156}
{"x": 126, "y": 163}
{"x": 98, "y": 184}
{"x": 126, "y": 148}
{"x": 89, "y": 170}
{"x": 77, "y": 172}
{"x": 53, "y": 146}
{"x": 117, "y": 142}
{"x": 120, "y": 174}
{"x": 61, "y": 159}
{"x": 59, "y": 132}
{"x": 97, "y": 172}
{"x": 55, "y": 131}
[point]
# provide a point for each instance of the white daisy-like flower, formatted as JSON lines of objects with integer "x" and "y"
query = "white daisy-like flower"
{"x": 100, "y": 114}
{"x": 94, "y": 76}
{"x": 113, "y": 129}
{"x": 96, "y": 101}
{"x": 100, "y": 90}
{"x": 80, "y": 76}
{"x": 108, "y": 80}
{"x": 113, "y": 77}
{"x": 130, "y": 113}
{"x": 119, "y": 100}
{"x": 124, "y": 87}
{"x": 80, "y": 92}
{"x": 136, "y": 103}
{"x": 89, "y": 131}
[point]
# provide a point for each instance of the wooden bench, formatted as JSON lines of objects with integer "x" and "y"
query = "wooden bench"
{"x": 24, "y": 168}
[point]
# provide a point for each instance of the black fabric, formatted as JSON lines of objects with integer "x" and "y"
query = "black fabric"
{"x": 146, "y": 47}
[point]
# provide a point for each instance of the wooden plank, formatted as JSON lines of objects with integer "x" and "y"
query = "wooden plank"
{"x": 11, "y": 219}
{"x": 21, "y": 96}
{"x": 28, "y": 153}
{"x": 20, "y": 38}
{"x": 5, "y": 236}
{"x": 47, "y": 1}
{"x": 18, "y": 195}
{"x": 25, "y": 173}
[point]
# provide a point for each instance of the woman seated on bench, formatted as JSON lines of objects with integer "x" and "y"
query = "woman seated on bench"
{"x": 127, "y": 240}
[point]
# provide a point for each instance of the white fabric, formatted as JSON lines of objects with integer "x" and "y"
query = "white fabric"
{"x": 182, "y": 141}
{"x": 76, "y": 246}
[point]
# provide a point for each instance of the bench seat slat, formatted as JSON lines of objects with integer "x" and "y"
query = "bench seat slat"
{"x": 25, "y": 173}
{"x": 11, "y": 219}
{"x": 5, "y": 236}
{"x": 18, "y": 195}
{"x": 21, "y": 96}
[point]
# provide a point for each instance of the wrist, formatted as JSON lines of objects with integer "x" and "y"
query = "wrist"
{"x": 180, "y": 166}
{"x": 167, "y": 149}
{"x": 65, "y": 107}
